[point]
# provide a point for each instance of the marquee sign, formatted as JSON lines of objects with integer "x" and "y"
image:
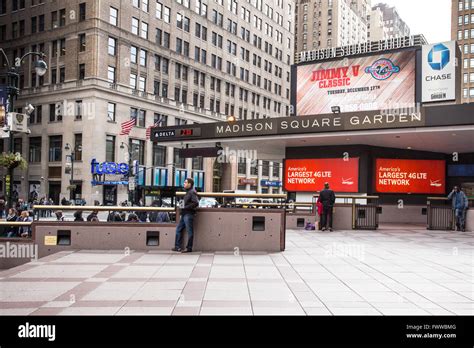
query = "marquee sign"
{"x": 361, "y": 48}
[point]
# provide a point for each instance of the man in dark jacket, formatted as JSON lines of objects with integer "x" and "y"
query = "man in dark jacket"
{"x": 327, "y": 198}
{"x": 187, "y": 212}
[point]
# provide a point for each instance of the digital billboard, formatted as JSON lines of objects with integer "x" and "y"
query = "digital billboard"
{"x": 410, "y": 176}
{"x": 309, "y": 175}
{"x": 367, "y": 83}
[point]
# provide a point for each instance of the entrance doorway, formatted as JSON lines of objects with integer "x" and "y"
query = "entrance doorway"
{"x": 110, "y": 195}
{"x": 54, "y": 191}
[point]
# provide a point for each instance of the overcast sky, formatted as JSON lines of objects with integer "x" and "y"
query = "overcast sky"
{"x": 431, "y": 18}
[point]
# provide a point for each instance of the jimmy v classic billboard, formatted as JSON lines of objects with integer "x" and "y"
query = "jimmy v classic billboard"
{"x": 375, "y": 82}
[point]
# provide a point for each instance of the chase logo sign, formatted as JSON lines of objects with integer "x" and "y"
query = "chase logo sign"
{"x": 382, "y": 69}
{"x": 439, "y": 57}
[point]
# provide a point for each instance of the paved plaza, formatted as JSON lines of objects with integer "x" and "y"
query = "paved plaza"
{"x": 398, "y": 270}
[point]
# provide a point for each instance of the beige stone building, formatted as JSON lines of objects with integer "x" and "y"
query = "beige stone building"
{"x": 462, "y": 30}
{"x": 180, "y": 62}
{"x": 393, "y": 24}
{"x": 330, "y": 23}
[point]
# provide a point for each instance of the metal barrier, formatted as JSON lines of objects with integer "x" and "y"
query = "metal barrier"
{"x": 110, "y": 209}
{"x": 364, "y": 215}
{"x": 440, "y": 214}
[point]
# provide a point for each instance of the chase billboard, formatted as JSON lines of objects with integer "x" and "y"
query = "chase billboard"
{"x": 439, "y": 72}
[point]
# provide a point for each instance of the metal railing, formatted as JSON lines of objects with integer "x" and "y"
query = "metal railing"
{"x": 365, "y": 210}
{"x": 440, "y": 213}
{"x": 143, "y": 213}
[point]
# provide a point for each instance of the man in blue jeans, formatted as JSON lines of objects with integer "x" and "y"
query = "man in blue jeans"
{"x": 460, "y": 205}
{"x": 187, "y": 212}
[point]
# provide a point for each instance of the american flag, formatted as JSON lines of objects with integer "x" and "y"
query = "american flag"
{"x": 127, "y": 126}
{"x": 148, "y": 130}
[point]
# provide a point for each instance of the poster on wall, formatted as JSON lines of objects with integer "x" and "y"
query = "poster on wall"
{"x": 309, "y": 175}
{"x": 367, "y": 83}
{"x": 439, "y": 72}
{"x": 410, "y": 176}
{"x": 34, "y": 191}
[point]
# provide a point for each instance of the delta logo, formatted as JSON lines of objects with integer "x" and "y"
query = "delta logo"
{"x": 382, "y": 69}
{"x": 439, "y": 57}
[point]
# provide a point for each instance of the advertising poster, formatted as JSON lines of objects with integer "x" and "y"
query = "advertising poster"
{"x": 410, "y": 176}
{"x": 370, "y": 83}
{"x": 309, "y": 175}
{"x": 439, "y": 72}
{"x": 34, "y": 191}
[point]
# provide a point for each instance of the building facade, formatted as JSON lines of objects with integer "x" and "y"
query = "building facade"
{"x": 166, "y": 62}
{"x": 376, "y": 26}
{"x": 394, "y": 24}
{"x": 462, "y": 30}
{"x": 330, "y": 23}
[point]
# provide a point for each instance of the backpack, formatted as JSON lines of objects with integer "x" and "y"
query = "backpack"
{"x": 310, "y": 227}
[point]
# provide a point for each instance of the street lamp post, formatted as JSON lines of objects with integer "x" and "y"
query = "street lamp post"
{"x": 13, "y": 75}
{"x": 122, "y": 146}
{"x": 72, "y": 157}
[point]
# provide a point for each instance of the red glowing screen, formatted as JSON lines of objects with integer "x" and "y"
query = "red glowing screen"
{"x": 309, "y": 175}
{"x": 410, "y": 176}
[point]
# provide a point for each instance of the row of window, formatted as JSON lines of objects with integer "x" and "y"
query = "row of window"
{"x": 465, "y": 5}
{"x": 242, "y": 166}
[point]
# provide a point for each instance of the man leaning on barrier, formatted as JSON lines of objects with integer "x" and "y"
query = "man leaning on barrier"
{"x": 460, "y": 206}
{"x": 187, "y": 212}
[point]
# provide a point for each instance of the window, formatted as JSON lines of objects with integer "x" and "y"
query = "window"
{"x": 82, "y": 42}
{"x": 82, "y": 71}
{"x": 113, "y": 16}
{"x": 55, "y": 148}
{"x": 167, "y": 14}
{"x": 198, "y": 163}
{"x": 141, "y": 119}
{"x": 133, "y": 54}
{"x": 177, "y": 160}
{"x": 110, "y": 148}
{"x": 137, "y": 148}
{"x": 144, "y": 31}
{"x": 143, "y": 57}
{"x": 111, "y": 74}
{"x": 159, "y": 10}
{"x": 135, "y": 24}
{"x": 142, "y": 84}
{"x": 62, "y": 74}
{"x": 159, "y": 155}
{"x": 112, "y": 46}
{"x": 133, "y": 81}
{"x": 111, "y": 112}
{"x": 35, "y": 150}
{"x": 78, "y": 114}
{"x": 78, "y": 147}
{"x": 82, "y": 12}
{"x": 276, "y": 170}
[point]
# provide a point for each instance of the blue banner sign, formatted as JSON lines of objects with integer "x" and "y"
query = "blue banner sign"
{"x": 268, "y": 183}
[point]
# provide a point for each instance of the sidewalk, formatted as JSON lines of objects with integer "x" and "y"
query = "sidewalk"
{"x": 397, "y": 271}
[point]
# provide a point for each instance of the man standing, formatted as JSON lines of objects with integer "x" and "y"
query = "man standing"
{"x": 187, "y": 212}
{"x": 327, "y": 198}
{"x": 460, "y": 206}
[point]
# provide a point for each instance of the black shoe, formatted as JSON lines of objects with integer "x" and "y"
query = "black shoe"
{"x": 330, "y": 230}
{"x": 186, "y": 251}
{"x": 177, "y": 249}
{"x": 323, "y": 229}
